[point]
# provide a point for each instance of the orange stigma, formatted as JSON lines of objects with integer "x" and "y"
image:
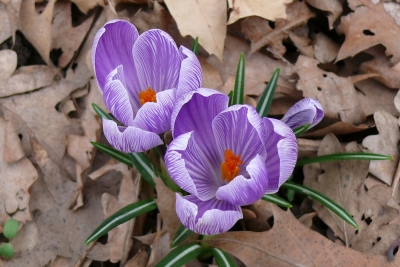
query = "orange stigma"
{"x": 148, "y": 95}
{"x": 230, "y": 167}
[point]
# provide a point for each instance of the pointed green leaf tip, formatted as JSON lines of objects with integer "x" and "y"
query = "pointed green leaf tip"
{"x": 180, "y": 256}
{"x": 238, "y": 91}
{"x": 115, "y": 154}
{"x": 123, "y": 215}
{"x": 195, "y": 46}
{"x": 265, "y": 101}
{"x": 344, "y": 156}
{"x": 101, "y": 113}
{"x": 276, "y": 200}
{"x": 324, "y": 200}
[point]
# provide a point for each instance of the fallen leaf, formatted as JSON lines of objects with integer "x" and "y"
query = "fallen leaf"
{"x": 158, "y": 18}
{"x": 86, "y": 5}
{"x": 384, "y": 143}
{"x": 363, "y": 33}
{"x": 16, "y": 178}
{"x": 337, "y": 128}
{"x": 343, "y": 182}
{"x": 139, "y": 260}
{"x": 298, "y": 14}
{"x": 8, "y": 63}
{"x": 290, "y": 243}
{"x": 337, "y": 95}
{"x": 303, "y": 44}
{"x": 334, "y": 7}
{"x": 325, "y": 49}
{"x": 206, "y": 20}
{"x": 37, "y": 28}
{"x": 13, "y": 150}
{"x": 9, "y": 12}
{"x": 243, "y": 8}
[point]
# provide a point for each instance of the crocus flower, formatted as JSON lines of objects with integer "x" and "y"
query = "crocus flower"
{"x": 225, "y": 157}
{"x": 140, "y": 77}
{"x": 306, "y": 111}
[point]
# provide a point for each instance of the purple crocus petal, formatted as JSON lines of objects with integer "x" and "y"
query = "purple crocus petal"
{"x": 157, "y": 61}
{"x": 190, "y": 168}
{"x": 190, "y": 74}
{"x": 239, "y": 129}
{"x": 116, "y": 97}
{"x": 112, "y": 47}
{"x": 281, "y": 145}
{"x": 129, "y": 139}
{"x": 306, "y": 111}
{"x": 156, "y": 117}
{"x": 245, "y": 191}
{"x": 195, "y": 112}
{"x": 207, "y": 217}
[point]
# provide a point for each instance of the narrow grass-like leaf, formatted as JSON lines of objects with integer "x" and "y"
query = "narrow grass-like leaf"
{"x": 276, "y": 200}
{"x": 180, "y": 255}
{"x": 222, "y": 258}
{"x": 101, "y": 113}
{"x": 290, "y": 195}
{"x": 123, "y": 215}
{"x": 230, "y": 95}
{"x": 11, "y": 228}
{"x": 181, "y": 235}
{"x": 144, "y": 166}
{"x": 6, "y": 250}
{"x": 166, "y": 178}
{"x": 238, "y": 91}
{"x": 324, "y": 200}
{"x": 116, "y": 154}
{"x": 302, "y": 129}
{"x": 266, "y": 98}
{"x": 195, "y": 46}
{"x": 344, "y": 156}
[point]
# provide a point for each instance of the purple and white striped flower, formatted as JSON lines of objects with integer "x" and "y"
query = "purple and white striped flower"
{"x": 225, "y": 157}
{"x": 140, "y": 78}
{"x": 306, "y": 111}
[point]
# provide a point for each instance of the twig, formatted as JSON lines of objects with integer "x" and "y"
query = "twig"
{"x": 82, "y": 259}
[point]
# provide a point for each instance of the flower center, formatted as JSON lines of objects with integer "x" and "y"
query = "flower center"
{"x": 230, "y": 167}
{"x": 148, "y": 95}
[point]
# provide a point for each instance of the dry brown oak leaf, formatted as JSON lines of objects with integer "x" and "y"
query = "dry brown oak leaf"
{"x": 17, "y": 174}
{"x": 343, "y": 182}
{"x": 362, "y": 32}
{"x": 205, "y": 19}
{"x": 9, "y": 12}
{"x": 334, "y": 7}
{"x": 337, "y": 95}
{"x": 290, "y": 243}
{"x": 270, "y": 10}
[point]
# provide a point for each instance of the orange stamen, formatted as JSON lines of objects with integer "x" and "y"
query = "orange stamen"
{"x": 148, "y": 95}
{"x": 230, "y": 167}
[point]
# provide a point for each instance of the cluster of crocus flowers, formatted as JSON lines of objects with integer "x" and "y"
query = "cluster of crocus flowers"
{"x": 224, "y": 157}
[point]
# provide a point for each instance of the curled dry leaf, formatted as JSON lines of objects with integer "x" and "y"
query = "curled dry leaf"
{"x": 325, "y": 49}
{"x": 8, "y": 63}
{"x": 337, "y": 95}
{"x": 384, "y": 143}
{"x": 290, "y": 243}
{"x": 271, "y": 10}
{"x": 206, "y": 20}
{"x": 37, "y": 27}
{"x": 9, "y": 12}
{"x": 343, "y": 182}
{"x": 86, "y": 5}
{"x": 303, "y": 44}
{"x": 119, "y": 240}
{"x": 298, "y": 13}
{"x": 362, "y": 32}
{"x": 16, "y": 177}
{"x": 334, "y": 7}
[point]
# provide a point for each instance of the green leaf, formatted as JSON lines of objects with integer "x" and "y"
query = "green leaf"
{"x": 266, "y": 98}
{"x": 290, "y": 195}
{"x": 180, "y": 255}
{"x": 222, "y": 258}
{"x": 101, "y": 113}
{"x": 238, "y": 92}
{"x": 324, "y": 200}
{"x": 181, "y": 235}
{"x": 116, "y": 154}
{"x": 195, "y": 46}
{"x": 144, "y": 166}
{"x": 302, "y": 129}
{"x": 123, "y": 215}
{"x": 276, "y": 200}
{"x": 6, "y": 250}
{"x": 344, "y": 156}
{"x": 11, "y": 228}
{"x": 230, "y": 95}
